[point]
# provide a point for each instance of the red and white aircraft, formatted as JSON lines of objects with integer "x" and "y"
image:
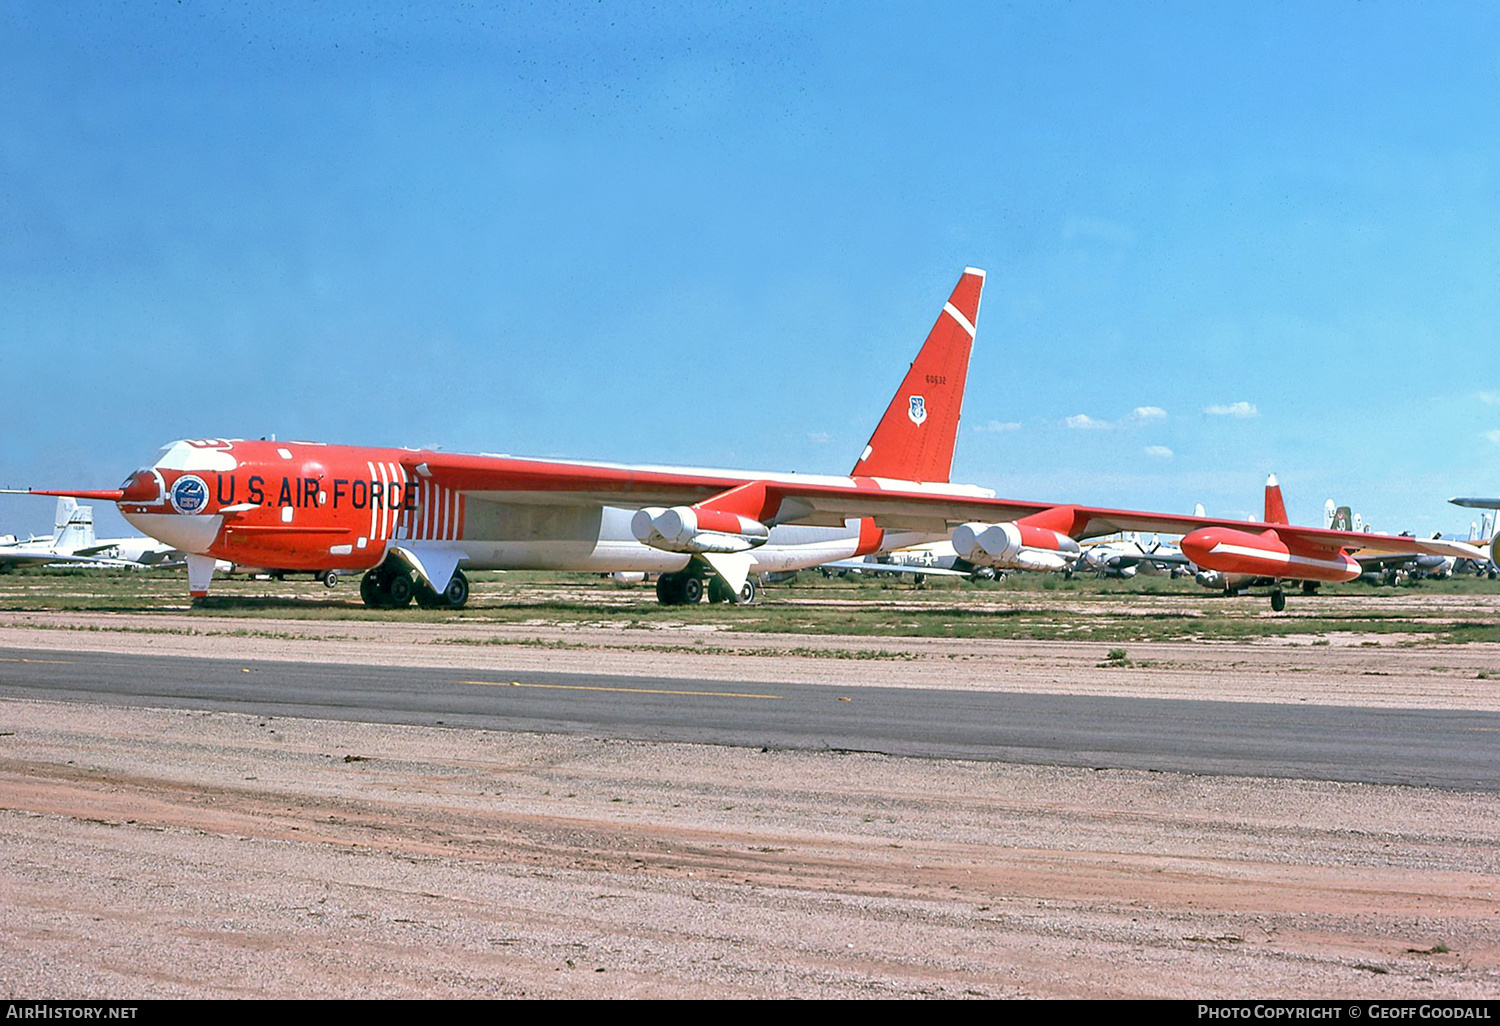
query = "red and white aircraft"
{"x": 1276, "y": 552}
{"x": 412, "y": 519}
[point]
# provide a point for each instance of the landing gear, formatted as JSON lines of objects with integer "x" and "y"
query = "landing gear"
{"x": 680, "y": 589}
{"x": 1278, "y": 599}
{"x": 666, "y": 590}
{"x": 455, "y": 596}
{"x": 687, "y": 588}
{"x": 385, "y": 588}
{"x": 399, "y": 590}
{"x": 330, "y": 578}
{"x": 1309, "y": 587}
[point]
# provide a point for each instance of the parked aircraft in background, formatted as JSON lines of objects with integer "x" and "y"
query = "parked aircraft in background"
{"x": 410, "y": 519}
{"x": 1236, "y": 559}
{"x": 1124, "y": 557}
{"x": 918, "y": 562}
{"x": 1494, "y": 541}
{"x": 72, "y": 542}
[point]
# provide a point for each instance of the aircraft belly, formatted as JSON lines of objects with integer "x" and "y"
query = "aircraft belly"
{"x": 793, "y": 547}
{"x": 532, "y": 536}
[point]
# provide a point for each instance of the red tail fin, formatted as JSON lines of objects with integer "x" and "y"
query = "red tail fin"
{"x": 914, "y": 440}
{"x": 1275, "y": 508}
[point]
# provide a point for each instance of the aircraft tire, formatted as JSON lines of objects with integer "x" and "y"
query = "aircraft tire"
{"x": 748, "y": 594}
{"x": 691, "y": 590}
{"x": 1278, "y": 600}
{"x": 369, "y": 590}
{"x": 666, "y": 590}
{"x": 399, "y": 591}
{"x": 331, "y": 579}
{"x": 425, "y": 597}
{"x": 456, "y": 595}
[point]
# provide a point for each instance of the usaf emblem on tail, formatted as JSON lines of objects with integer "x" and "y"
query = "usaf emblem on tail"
{"x": 918, "y": 409}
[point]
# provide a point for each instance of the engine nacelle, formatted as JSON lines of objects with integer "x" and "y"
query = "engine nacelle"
{"x": 685, "y": 529}
{"x": 1012, "y": 546}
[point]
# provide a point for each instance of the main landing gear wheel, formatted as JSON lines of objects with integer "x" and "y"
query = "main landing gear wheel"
{"x": 749, "y": 592}
{"x": 453, "y": 597}
{"x": 399, "y": 591}
{"x": 1278, "y": 600}
{"x": 369, "y": 589}
{"x": 457, "y": 592}
{"x": 679, "y": 589}
{"x": 666, "y": 590}
{"x": 386, "y": 589}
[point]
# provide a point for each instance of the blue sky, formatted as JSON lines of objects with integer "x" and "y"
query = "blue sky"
{"x": 1222, "y": 239}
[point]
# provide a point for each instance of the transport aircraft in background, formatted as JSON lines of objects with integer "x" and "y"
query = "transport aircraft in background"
{"x": 412, "y": 520}
{"x": 72, "y": 542}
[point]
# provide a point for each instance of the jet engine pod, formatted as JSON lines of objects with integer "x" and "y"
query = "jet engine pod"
{"x": 685, "y": 529}
{"x": 1010, "y": 546}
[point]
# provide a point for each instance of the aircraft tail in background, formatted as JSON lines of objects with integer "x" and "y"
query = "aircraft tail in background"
{"x": 1275, "y": 507}
{"x": 72, "y": 526}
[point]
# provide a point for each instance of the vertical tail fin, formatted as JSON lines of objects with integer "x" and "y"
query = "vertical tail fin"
{"x": 1275, "y": 508}
{"x": 73, "y": 526}
{"x": 914, "y": 440}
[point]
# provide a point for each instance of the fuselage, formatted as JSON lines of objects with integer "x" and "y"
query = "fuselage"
{"x": 313, "y": 507}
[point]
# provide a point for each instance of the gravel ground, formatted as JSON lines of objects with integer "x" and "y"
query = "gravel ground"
{"x": 151, "y": 853}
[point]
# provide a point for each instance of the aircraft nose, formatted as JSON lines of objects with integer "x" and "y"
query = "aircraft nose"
{"x": 141, "y": 487}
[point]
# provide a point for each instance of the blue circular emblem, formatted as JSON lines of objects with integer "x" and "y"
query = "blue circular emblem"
{"x": 189, "y": 494}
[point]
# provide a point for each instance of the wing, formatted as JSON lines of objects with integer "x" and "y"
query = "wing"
{"x": 929, "y": 508}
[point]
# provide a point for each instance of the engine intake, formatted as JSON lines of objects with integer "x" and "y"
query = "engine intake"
{"x": 686, "y": 529}
{"x": 1011, "y": 546}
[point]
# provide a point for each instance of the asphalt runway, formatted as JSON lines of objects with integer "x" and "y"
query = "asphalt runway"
{"x": 1441, "y": 748}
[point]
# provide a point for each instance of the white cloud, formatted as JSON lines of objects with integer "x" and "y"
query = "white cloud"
{"x": 1239, "y": 409}
{"x": 998, "y": 425}
{"x": 1085, "y": 422}
{"x": 1493, "y": 436}
{"x": 1148, "y": 413}
{"x": 1161, "y": 452}
{"x": 1490, "y": 398}
{"x": 819, "y": 437}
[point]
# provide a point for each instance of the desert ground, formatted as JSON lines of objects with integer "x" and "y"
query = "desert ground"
{"x": 186, "y": 853}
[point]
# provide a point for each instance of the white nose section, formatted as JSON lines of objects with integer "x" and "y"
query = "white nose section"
{"x": 188, "y": 533}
